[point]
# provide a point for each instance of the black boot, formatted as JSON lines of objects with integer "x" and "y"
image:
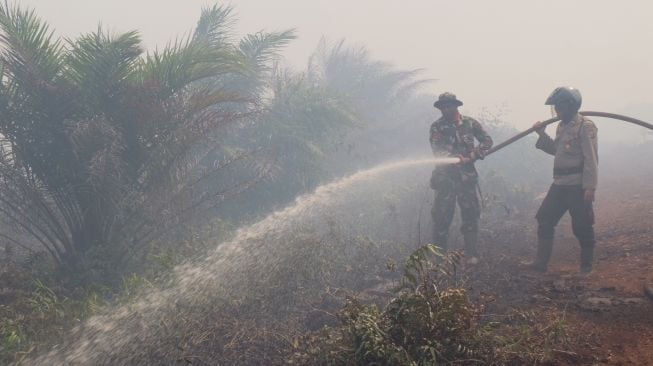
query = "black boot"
{"x": 586, "y": 258}
{"x": 544, "y": 250}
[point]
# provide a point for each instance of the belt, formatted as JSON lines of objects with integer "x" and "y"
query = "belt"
{"x": 568, "y": 171}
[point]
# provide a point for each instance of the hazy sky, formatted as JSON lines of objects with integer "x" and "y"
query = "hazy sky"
{"x": 497, "y": 55}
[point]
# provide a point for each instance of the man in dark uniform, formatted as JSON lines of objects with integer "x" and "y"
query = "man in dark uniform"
{"x": 575, "y": 176}
{"x": 453, "y": 135}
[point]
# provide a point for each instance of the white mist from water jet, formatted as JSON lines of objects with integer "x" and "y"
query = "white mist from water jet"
{"x": 104, "y": 337}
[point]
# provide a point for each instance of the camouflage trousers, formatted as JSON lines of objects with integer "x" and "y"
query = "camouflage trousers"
{"x": 448, "y": 191}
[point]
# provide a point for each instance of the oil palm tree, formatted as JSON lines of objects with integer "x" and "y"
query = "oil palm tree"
{"x": 313, "y": 120}
{"x": 386, "y": 99}
{"x": 101, "y": 143}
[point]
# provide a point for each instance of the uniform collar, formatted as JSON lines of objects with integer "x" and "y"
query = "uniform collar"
{"x": 576, "y": 119}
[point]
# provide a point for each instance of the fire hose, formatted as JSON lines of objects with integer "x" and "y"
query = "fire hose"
{"x": 555, "y": 119}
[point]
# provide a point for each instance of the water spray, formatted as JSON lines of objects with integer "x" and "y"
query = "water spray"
{"x": 114, "y": 337}
{"x": 555, "y": 119}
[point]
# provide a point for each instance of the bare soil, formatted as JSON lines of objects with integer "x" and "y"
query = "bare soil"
{"x": 608, "y": 319}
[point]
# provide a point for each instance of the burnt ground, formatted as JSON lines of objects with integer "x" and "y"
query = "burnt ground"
{"x": 599, "y": 319}
{"x": 606, "y": 317}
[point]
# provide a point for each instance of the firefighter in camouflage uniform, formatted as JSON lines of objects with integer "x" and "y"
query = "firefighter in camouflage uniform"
{"x": 453, "y": 135}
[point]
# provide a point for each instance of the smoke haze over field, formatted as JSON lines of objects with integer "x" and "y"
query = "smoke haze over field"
{"x": 504, "y": 56}
{"x": 206, "y": 201}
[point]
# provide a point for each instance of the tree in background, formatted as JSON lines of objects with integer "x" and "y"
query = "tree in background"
{"x": 343, "y": 111}
{"x": 102, "y": 144}
{"x": 383, "y": 96}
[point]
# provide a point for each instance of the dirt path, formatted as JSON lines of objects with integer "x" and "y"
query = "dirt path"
{"x": 607, "y": 317}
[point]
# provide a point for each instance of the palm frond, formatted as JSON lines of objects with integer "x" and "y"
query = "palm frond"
{"x": 185, "y": 62}
{"x": 411, "y": 87}
{"x": 26, "y": 206}
{"x": 259, "y": 51}
{"x": 100, "y": 64}
{"x": 396, "y": 84}
{"x": 215, "y": 25}
{"x": 32, "y": 63}
{"x": 261, "y": 47}
{"x": 306, "y": 115}
{"x": 30, "y": 52}
{"x": 186, "y": 127}
{"x": 7, "y": 94}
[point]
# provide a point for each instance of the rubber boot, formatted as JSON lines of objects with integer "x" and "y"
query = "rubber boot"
{"x": 471, "y": 252}
{"x": 586, "y": 258}
{"x": 542, "y": 257}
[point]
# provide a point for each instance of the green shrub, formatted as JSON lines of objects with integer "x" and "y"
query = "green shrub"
{"x": 426, "y": 324}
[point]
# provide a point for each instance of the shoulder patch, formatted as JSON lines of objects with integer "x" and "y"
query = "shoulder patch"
{"x": 590, "y": 129}
{"x": 591, "y": 132}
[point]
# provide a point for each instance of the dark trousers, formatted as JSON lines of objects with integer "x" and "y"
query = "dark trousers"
{"x": 559, "y": 200}
{"x": 447, "y": 192}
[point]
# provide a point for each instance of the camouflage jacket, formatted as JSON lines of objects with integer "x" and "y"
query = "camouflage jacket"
{"x": 449, "y": 138}
{"x": 575, "y": 150}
